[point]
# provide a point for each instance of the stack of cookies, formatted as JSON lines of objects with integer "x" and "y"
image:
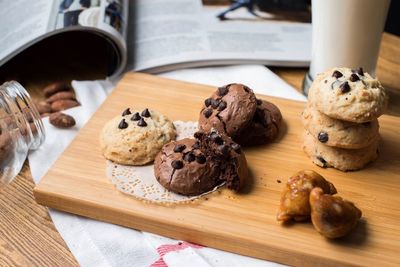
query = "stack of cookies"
{"x": 340, "y": 120}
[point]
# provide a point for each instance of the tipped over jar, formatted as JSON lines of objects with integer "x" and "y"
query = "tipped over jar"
{"x": 21, "y": 129}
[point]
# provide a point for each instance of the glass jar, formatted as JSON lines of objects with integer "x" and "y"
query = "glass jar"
{"x": 21, "y": 129}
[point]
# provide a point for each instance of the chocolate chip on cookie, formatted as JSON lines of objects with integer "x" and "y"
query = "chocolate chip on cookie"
{"x": 196, "y": 145}
{"x": 207, "y": 102}
{"x": 259, "y": 102}
{"x": 246, "y": 89}
{"x": 207, "y": 113}
{"x": 223, "y": 90}
{"x": 354, "y": 77}
{"x": 337, "y": 74}
{"x": 224, "y": 149}
{"x": 123, "y": 124}
{"x": 146, "y": 113}
{"x": 179, "y": 148}
{"x": 360, "y": 71}
{"x": 215, "y": 103}
{"x": 142, "y": 123}
{"x": 323, "y": 137}
{"x": 189, "y": 157}
{"x": 323, "y": 161}
{"x": 345, "y": 87}
{"x": 216, "y": 138}
{"x": 177, "y": 164}
{"x": 126, "y": 112}
{"x": 201, "y": 159}
{"x": 222, "y": 106}
{"x": 136, "y": 117}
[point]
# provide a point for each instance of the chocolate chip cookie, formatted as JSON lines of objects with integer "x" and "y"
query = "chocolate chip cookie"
{"x": 263, "y": 128}
{"x": 349, "y": 95}
{"x": 338, "y": 133}
{"x": 339, "y": 158}
{"x": 229, "y": 109}
{"x": 195, "y": 166}
{"x": 136, "y": 136}
{"x": 183, "y": 168}
{"x": 229, "y": 156}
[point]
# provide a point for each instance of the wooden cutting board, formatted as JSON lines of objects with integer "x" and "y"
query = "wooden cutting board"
{"x": 241, "y": 223}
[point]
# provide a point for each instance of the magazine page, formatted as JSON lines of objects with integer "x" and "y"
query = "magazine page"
{"x": 29, "y": 20}
{"x": 33, "y": 21}
{"x": 169, "y": 33}
{"x": 107, "y": 15}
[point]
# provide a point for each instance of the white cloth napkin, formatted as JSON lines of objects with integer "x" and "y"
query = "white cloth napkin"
{"x": 95, "y": 243}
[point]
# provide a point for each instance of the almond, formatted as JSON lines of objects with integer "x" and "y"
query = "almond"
{"x": 61, "y": 120}
{"x": 60, "y": 96}
{"x": 43, "y": 107}
{"x": 63, "y": 104}
{"x": 56, "y": 87}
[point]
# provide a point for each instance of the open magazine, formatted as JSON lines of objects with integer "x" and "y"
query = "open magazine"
{"x": 156, "y": 35}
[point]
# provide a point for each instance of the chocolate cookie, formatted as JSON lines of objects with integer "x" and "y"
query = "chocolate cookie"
{"x": 228, "y": 110}
{"x": 195, "y": 166}
{"x": 183, "y": 168}
{"x": 227, "y": 154}
{"x": 263, "y": 128}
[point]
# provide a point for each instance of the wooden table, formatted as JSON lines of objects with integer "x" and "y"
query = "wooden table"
{"x": 27, "y": 234}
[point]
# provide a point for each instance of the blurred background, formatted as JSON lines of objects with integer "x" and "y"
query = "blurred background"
{"x": 37, "y": 63}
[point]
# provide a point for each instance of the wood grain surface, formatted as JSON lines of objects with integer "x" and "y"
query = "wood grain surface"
{"x": 27, "y": 234}
{"x": 16, "y": 201}
{"x": 241, "y": 223}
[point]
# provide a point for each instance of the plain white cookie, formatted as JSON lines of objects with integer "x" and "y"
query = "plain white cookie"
{"x": 354, "y": 96}
{"x": 338, "y": 133}
{"x": 136, "y": 145}
{"x": 339, "y": 158}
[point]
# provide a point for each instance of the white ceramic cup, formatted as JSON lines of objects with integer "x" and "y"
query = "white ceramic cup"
{"x": 346, "y": 33}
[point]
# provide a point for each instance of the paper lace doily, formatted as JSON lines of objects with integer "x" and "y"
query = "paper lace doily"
{"x": 140, "y": 181}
